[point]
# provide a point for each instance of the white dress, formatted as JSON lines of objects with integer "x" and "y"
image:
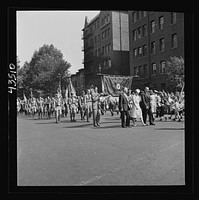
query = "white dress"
{"x": 135, "y": 111}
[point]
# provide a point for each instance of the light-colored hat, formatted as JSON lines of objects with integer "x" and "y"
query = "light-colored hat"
{"x": 137, "y": 90}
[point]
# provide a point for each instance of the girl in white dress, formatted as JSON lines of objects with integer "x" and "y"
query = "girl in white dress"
{"x": 135, "y": 110}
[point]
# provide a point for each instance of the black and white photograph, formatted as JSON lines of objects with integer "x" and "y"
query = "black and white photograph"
{"x": 100, "y": 98}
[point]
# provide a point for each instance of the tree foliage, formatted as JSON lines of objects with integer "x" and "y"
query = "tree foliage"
{"x": 175, "y": 72}
{"x": 44, "y": 72}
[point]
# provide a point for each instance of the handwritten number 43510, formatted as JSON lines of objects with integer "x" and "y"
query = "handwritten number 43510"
{"x": 12, "y": 79}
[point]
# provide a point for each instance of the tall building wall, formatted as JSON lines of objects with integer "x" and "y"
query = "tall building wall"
{"x": 163, "y": 31}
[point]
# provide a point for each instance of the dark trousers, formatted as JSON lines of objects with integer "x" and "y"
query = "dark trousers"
{"x": 148, "y": 112}
{"x": 125, "y": 118}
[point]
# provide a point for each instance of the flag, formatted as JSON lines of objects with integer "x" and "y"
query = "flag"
{"x": 24, "y": 97}
{"x": 70, "y": 89}
{"x": 112, "y": 84}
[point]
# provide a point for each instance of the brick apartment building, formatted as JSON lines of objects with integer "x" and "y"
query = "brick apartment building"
{"x": 106, "y": 46}
{"x": 132, "y": 43}
{"x": 154, "y": 37}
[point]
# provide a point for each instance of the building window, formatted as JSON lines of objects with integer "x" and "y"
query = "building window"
{"x": 152, "y": 26}
{"x": 153, "y": 72}
{"x": 135, "y": 53}
{"x": 140, "y": 52}
{"x": 98, "y": 38}
{"x": 139, "y": 32}
{"x": 106, "y": 33}
{"x": 144, "y": 14}
{"x": 109, "y": 48}
{"x": 140, "y": 72}
{"x": 102, "y": 35}
{"x": 109, "y": 62}
{"x": 104, "y": 64}
{"x": 95, "y": 39}
{"x": 162, "y": 44}
{"x": 162, "y": 67}
{"x": 174, "y": 41}
{"x": 96, "y": 53}
{"x": 102, "y": 50}
{"x": 173, "y": 18}
{"x": 144, "y": 50}
{"x": 99, "y": 67}
{"x": 98, "y": 24}
{"x": 134, "y": 35}
{"x": 135, "y": 71}
{"x": 145, "y": 70}
{"x": 161, "y": 22}
{"x": 141, "y": 14}
{"x": 152, "y": 47}
{"x": 144, "y": 30}
{"x": 109, "y": 31}
{"x": 133, "y": 17}
{"x": 108, "y": 18}
{"x": 137, "y": 15}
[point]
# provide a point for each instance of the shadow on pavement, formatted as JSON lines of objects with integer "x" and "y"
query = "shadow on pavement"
{"x": 169, "y": 129}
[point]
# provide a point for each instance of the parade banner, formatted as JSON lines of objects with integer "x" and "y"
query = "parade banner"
{"x": 113, "y": 84}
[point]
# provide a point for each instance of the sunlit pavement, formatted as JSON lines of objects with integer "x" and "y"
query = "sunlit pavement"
{"x": 76, "y": 153}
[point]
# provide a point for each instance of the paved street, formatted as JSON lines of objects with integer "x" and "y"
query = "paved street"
{"x": 76, "y": 153}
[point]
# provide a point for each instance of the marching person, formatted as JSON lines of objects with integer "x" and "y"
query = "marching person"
{"x": 146, "y": 107}
{"x": 95, "y": 107}
{"x": 88, "y": 105}
{"x": 34, "y": 106}
{"x": 124, "y": 108}
{"x": 73, "y": 103}
{"x": 48, "y": 106}
{"x": 40, "y": 103}
{"x": 58, "y": 108}
{"x": 82, "y": 105}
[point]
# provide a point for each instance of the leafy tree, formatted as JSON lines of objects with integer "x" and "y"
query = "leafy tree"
{"x": 175, "y": 72}
{"x": 45, "y": 70}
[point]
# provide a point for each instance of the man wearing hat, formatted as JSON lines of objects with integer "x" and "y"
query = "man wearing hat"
{"x": 124, "y": 108}
{"x": 146, "y": 107}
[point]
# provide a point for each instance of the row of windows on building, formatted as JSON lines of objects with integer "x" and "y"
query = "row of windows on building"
{"x": 105, "y": 34}
{"x": 142, "y": 71}
{"x": 142, "y": 50}
{"x": 105, "y": 50}
{"x": 137, "y": 15}
{"x": 100, "y": 22}
{"x": 142, "y": 31}
{"x": 105, "y": 64}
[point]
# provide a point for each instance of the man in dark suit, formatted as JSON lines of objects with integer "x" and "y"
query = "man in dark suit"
{"x": 146, "y": 107}
{"x": 124, "y": 109}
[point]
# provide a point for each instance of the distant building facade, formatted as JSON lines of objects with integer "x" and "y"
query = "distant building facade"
{"x": 106, "y": 46}
{"x": 78, "y": 81}
{"x": 154, "y": 37}
{"x": 132, "y": 43}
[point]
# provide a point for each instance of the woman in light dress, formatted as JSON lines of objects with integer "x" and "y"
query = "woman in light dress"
{"x": 135, "y": 110}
